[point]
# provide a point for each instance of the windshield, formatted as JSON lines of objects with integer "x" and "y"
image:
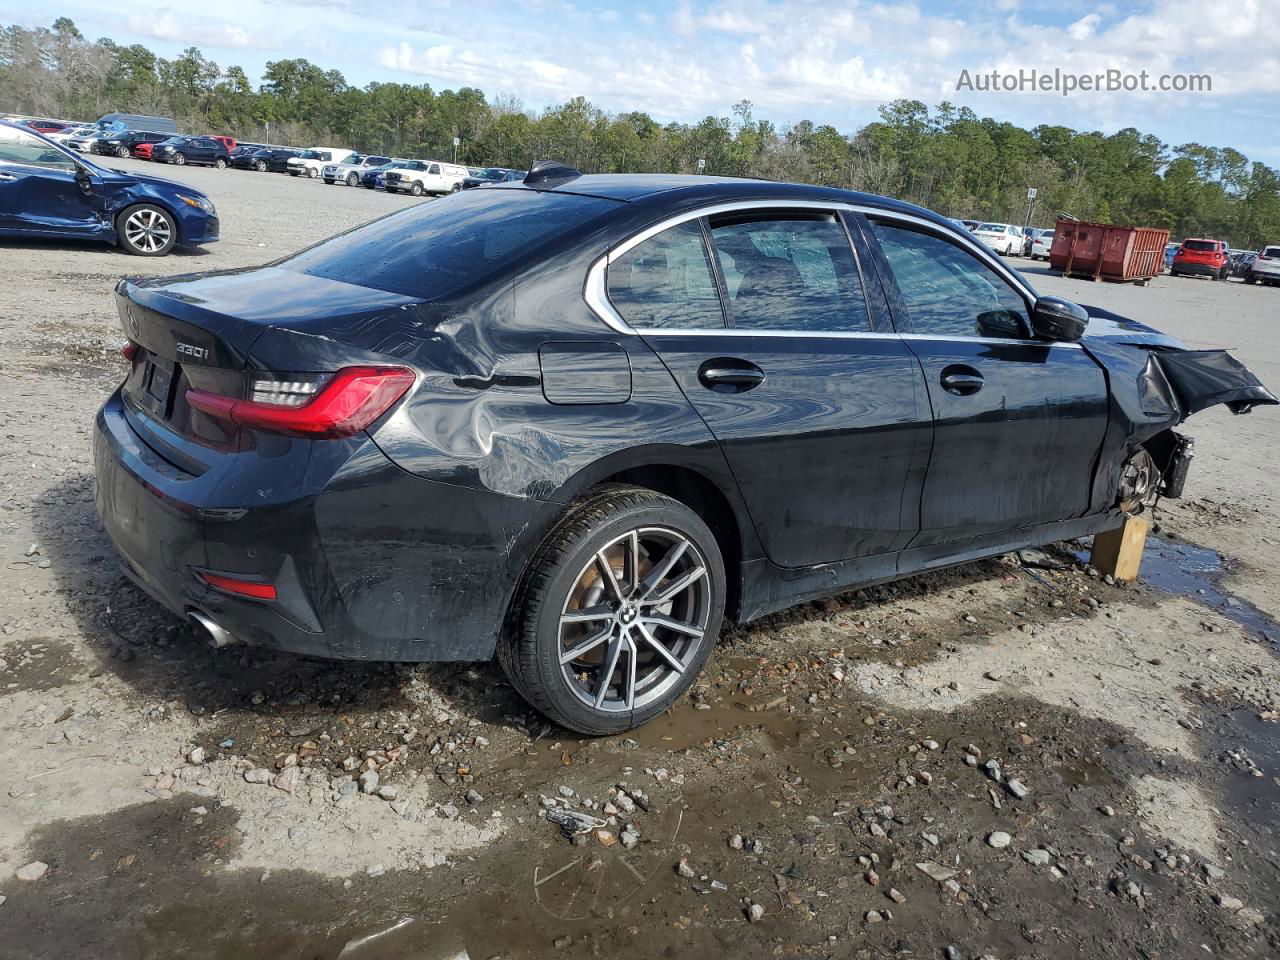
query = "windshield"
{"x": 1199, "y": 245}
{"x": 434, "y": 250}
{"x": 992, "y": 228}
{"x": 1271, "y": 252}
{"x": 308, "y": 155}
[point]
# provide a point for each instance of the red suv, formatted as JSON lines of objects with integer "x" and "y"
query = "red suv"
{"x": 1205, "y": 258}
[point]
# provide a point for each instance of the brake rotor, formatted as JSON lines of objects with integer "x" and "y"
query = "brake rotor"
{"x": 1139, "y": 483}
{"x": 590, "y": 590}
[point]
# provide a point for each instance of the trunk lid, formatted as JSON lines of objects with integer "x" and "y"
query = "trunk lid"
{"x": 198, "y": 331}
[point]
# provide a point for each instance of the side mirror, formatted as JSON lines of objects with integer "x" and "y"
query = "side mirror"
{"x": 1053, "y": 318}
{"x": 84, "y": 181}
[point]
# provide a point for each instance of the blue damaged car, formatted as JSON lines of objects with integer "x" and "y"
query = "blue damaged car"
{"x": 47, "y": 190}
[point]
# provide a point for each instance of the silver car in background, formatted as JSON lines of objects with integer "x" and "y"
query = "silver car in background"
{"x": 351, "y": 171}
{"x": 1266, "y": 267}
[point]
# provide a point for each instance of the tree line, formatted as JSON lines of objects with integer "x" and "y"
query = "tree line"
{"x": 946, "y": 158}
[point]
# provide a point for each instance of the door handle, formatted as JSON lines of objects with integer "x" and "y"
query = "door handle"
{"x": 7, "y": 176}
{"x": 737, "y": 375}
{"x": 961, "y": 380}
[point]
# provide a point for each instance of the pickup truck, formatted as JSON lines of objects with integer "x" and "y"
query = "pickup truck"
{"x": 311, "y": 161}
{"x": 424, "y": 176}
{"x": 351, "y": 171}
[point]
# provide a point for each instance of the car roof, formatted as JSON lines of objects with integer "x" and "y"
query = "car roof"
{"x": 629, "y": 187}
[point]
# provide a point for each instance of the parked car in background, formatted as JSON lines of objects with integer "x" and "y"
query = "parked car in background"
{"x": 425, "y": 176}
{"x": 1170, "y": 249}
{"x": 142, "y": 151}
{"x": 44, "y": 126}
{"x": 267, "y": 159}
{"x": 67, "y": 132}
{"x": 312, "y": 161}
{"x": 1265, "y": 267}
{"x": 244, "y": 149}
{"x": 1003, "y": 238}
{"x": 1200, "y": 257}
{"x": 46, "y": 190}
{"x": 372, "y": 177}
{"x": 484, "y": 176}
{"x": 350, "y": 171}
{"x": 1241, "y": 261}
{"x": 78, "y": 138}
{"x": 120, "y": 122}
{"x": 1041, "y": 245}
{"x": 228, "y": 142}
{"x": 183, "y": 150}
{"x": 645, "y": 482}
{"x": 971, "y": 225}
{"x": 122, "y": 144}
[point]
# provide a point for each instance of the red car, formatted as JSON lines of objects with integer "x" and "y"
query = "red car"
{"x": 228, "y": 142}
{"x": 143, "y": 151}
{"x": 44, "y": 126}
{"x": 1201, "y": 258}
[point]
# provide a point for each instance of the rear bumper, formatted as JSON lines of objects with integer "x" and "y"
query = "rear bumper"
{"x": 1269, "y": 273}
{"x": 376, "y": 564}
{"x": 1196, "y": 269}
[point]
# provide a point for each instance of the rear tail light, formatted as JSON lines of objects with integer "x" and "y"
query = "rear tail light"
{"x": 130, "y": 350}
{"x": 254, "y": 589}
{"x": 328, "y": 406}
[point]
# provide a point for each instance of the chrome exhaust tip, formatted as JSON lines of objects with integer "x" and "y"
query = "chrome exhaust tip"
{"x": 217, "y": 635}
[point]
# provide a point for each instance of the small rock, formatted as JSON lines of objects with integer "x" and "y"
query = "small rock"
{"x": 448, "y": 811}
{"x": 755, "y": 913}
{"x": 38, "y": 868}
{"x": 257, "y": 775}
{"x": 757, "y": 846}
{"x": 388, "y": 792}
{"x": 376, "y": 870}
{"x": 566, "y": 792}
{"x": 196, "y": 756}
{"x": 1017, "y": 788}
{"x": 369, "y": 781}
{"x": 685, "y": 870}
{"x": 474, "y": 797}
{"x": 999, "y": 839}
{"x": 950, "y": 952}
{"x": 1214, "y": 873}
{"x": 1228, "y": 903}
{"x": 629, "y": 837}
{"x": 1107, "y": 811}
{"x": 931, "y": 744}
{"x": 606, "y": 837}
{"x": 1038, "y": 858}
{"x": 735, "y": 842}
{"x": 288, "y": 779}
{"x": 896, "y": 896}
{"x": 873, "y": 916}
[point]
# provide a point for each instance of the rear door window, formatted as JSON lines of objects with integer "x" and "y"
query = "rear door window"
{"x": 789, "y": 272}
{"x": 949, "y": 292}
{"x": 666, "y": 282}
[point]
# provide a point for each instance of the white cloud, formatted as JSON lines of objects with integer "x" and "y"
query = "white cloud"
{"x": 191, "y": 31}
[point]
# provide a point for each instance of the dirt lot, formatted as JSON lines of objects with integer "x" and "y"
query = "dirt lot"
{"x": 831, "y": 775}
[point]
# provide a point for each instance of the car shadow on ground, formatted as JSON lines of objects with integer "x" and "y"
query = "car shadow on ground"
{"x": 37, "y": 246}
{"x": 161, "y": 657}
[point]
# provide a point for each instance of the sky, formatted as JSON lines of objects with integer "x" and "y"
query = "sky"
{"x": 830, "y": 61}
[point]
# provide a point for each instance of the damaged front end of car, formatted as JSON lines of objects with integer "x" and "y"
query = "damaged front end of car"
{"x": 1156, "y": 384}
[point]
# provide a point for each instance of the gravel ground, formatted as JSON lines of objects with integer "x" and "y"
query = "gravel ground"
{"x": 1009, "y": 759}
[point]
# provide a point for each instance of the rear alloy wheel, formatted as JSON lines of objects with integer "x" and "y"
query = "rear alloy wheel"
{"x": 146, "y": 230}
{"x": 122, "y": 152}
{"x": 619, "y": 612}
{"x": 455, "y": 188}
{"x": 220, "y": 163}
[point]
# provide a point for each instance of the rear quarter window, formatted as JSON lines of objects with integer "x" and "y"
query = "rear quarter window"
{"x": 436, "y": 249}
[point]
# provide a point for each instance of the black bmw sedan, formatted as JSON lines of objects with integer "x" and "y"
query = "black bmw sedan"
{"x": 576, "y": 420}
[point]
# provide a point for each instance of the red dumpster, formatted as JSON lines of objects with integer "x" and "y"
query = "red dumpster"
{"x": 1105, "y": 251}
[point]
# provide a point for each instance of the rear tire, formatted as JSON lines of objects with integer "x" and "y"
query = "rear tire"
{"x": 631, "y": 580}
{"x": 122, "y": 152}
{"x": 220, "y": 163}
{"x": 1250, "y": 278}
{"x": 260, "y": 166}
{"x": 312, "y": 172}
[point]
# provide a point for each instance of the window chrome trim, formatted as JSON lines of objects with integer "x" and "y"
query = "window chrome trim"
{"x": 595, "y": 288}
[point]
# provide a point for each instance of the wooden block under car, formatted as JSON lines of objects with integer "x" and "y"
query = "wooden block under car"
{"x": 1119, "y": 551}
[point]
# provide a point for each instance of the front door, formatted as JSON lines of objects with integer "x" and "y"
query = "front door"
{"x": 1018, "y": 423}
{"x": 819, "y": 411}
{"x": 39, "y": 191}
